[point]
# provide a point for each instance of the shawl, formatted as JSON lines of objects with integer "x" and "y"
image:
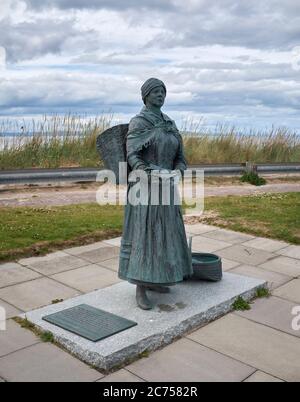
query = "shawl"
{"x": 137, "y": 139}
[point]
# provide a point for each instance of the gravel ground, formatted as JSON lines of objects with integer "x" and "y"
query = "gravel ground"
{"x": 68, "y": 193}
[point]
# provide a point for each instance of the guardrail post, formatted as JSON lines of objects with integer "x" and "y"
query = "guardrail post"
{"x": 250, "y": 167}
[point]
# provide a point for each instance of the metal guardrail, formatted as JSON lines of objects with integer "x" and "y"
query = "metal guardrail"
{"x": 30, "y": 176}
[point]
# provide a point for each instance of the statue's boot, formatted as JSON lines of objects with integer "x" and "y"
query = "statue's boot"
{"x": 141, "y": 298}
{"x": 158, "y": 288}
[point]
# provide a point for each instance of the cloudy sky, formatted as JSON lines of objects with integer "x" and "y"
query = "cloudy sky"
{"x": 234, "y": 62}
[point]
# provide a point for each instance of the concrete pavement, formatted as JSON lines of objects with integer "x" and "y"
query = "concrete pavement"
{"x": 254, "y": 346}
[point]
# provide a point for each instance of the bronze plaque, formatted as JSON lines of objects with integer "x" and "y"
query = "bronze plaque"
{"x": 89, "y": 322}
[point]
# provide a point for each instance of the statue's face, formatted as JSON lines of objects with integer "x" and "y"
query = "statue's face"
{"x": 156, "y": 97}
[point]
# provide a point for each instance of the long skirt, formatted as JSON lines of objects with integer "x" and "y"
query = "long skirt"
{"x": 154, "y": 246}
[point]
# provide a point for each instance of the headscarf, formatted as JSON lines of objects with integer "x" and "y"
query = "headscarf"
{"x": 150, "y": 84}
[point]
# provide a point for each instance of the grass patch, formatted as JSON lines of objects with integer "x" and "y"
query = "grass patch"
{"x": 275, "y": 216}
{"x": 24, "y": 323}
{"x": 253, "y": 178}
{"x": 241, "y": 305}
{"x": 144, "y": 354}
{"x": 262, "y": 292}
{"x": 26, "y": 232}
{"x": 56, "y": 301}
{"x": 45, "y": 336}
{"x": 37, "y": 231}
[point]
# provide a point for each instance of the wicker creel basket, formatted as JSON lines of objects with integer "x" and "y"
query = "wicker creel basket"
{"x": 111, "y": 145}
{"x": 206, "y": 266}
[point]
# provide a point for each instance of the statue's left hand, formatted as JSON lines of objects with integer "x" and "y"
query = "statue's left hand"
{"x": 177, "y": 172}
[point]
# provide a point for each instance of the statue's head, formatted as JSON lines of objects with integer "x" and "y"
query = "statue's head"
{"x": 154, "y": 92}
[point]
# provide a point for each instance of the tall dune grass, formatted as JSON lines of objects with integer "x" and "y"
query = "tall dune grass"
{"x": 70, "y": 141}
{"x": 228, "y": 145}
{"x": 56, "y": 141}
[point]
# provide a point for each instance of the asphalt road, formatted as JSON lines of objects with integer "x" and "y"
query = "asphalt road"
{"x": 87, "y": 174}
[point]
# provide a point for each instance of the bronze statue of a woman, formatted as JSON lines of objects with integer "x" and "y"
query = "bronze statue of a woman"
{"x": 154, "y": 250}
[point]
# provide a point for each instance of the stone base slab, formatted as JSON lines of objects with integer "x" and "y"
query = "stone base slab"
{"x": 188, "y": 306}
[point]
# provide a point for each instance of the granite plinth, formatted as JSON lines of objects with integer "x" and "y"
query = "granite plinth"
{"x": 188, "y": 306}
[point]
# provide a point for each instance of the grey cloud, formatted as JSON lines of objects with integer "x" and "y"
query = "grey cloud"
{"x": 57, "y": 90}
{"x": 233, "y": 32}
{"x": 269, "y": 24}
{"x": 229, "y": 72}
{"x": 113, "y": 60}
{"x": 271, "y": 98}
{"x": 99, "y": 4}
{"x": 246, "y": 86}
{"x": 92, "y": 93}
{"x": 29, "y": 40}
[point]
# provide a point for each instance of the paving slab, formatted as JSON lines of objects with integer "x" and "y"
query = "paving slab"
{"x": 121, "y": 376}
{"x": 203, "y": 244}
{"x": 228, "y": 236}
{"x": 260, "y": 376}
{"x": 189, "y": 304}
{"x": 289, "y": 291}
{"x": 13, "y": 273}
{"x": 40, "y": 292}
{"x": 45, "y": 363}
{"x": 31, "y": 260}
{"x": 15, "y": 338}
{"x": 188, "y": 361}
{"x": 88, "y": 278}
{"x": 274, "y": 279}
{"x": 112, "y": 264}
{"x": 283, "y": 265}
{"x": 86, "y": 248}
{"x": 290, "y": 251}
{"x": 10, "y": 310}
{"x": 273, "y": 312}
{"x": 53, "y": 263}
{"x": 114, "y": 242}
{"x": 199, "y": 228}
{"x": 98, "y": 254}
{"x": 254, "y": 344}
{"x": 265, "y": 244}
{"x": 245, "y": 255}
{"x": 229, "y": 264}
